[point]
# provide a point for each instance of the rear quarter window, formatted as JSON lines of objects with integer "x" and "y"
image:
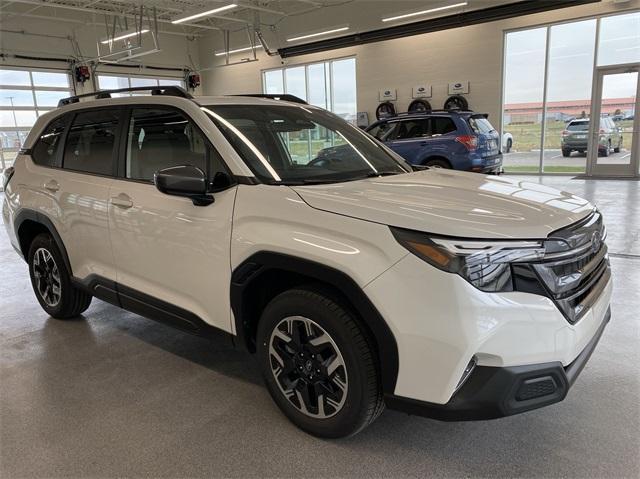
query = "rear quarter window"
{"x": 45, "y": 152}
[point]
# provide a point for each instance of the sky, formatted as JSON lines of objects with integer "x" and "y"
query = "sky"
{"x": 571, "y": 56}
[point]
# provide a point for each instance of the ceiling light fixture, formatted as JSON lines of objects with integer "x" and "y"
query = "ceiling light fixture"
{"x": 423, "y": 12}
{"x": 237, "y": 50}
{"x": 204, "y": 14}
{"x": 311, "y": 35}
{"x": 126, "y": 35}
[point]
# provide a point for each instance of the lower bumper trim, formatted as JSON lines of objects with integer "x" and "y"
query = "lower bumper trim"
{"x": 492, "y": 392}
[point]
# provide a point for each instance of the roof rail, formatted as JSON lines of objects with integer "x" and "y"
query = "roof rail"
{"x": 427, "y": 112}
{"x": 276, "y": 96}
{"x": 155, "y": 90}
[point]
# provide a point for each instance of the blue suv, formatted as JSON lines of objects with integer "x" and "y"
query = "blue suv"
{"x": 462, "y": 140}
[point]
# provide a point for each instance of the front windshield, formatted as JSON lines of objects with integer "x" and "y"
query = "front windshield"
{"x": 301, "y": 145}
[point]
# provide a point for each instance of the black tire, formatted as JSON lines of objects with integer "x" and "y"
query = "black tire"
{"x": 437, "y": 163}
{"x": 509, "y": 145}
{"x": 566, "y": 153}
{"x": 619, "y": 147}
{"x": 362, "y": 402}
{"x": 456, "y": 102}
{"x": 72, "y": 302}
{"x": 385, "y": 110}
{"x": 419, "y": 105}
{"x": 606, "y": 150}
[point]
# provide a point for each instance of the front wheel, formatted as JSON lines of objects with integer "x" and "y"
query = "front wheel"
{"x": 566, "y": 153}
{"x": 509, "y": 145}
{"x": 51, "y": 280}
{"x": 319, "y": 364}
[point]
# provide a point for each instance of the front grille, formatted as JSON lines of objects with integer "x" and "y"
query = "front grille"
{"x": 576, "y": 268}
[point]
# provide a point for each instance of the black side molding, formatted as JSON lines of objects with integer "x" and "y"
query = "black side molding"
{"x": 492, "y": 392}
{"x": 149, "y": 307}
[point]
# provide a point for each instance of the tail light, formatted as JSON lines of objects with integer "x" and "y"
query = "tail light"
{"x": 469, "y": 141}
{"x": 565, "y": 133}
{"x": 602, "y": 131}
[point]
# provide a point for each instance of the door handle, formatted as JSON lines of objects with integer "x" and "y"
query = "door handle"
{"x": 52, "y": 185}
{"x": 122, "y": 201}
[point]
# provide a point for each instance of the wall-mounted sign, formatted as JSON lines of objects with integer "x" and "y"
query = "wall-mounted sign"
{"x": 459, "y": 87}
{"x": 387, "y": 94}
{"x": 421, "y": 91}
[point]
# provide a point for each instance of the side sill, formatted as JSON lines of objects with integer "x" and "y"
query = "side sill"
{"x": 149, "y": 307}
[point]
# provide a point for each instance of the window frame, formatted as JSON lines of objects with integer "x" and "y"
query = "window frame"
{"x": 121, "y": 170}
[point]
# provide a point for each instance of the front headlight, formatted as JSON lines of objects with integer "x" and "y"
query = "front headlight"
{"x": 483, "y": 263}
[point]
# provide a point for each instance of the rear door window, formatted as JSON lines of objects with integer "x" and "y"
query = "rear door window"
{"x": 91, "y": 142}
{"x": 45, "y": 152}
{"x": 383, "y": 131}
{"x": 412, "y": 129}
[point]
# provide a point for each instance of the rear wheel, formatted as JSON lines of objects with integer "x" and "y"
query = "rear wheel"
{"x": 509, "y": 145}
{"x": 437, "y": 163}
{"x": 566, "y": 153}
{"x": 51, "y": 280}
{"x": 319, "y": 364}
{"x": 619, "y": 147}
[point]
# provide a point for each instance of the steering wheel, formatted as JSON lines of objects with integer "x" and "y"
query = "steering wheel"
{"x": 322, "y": 162}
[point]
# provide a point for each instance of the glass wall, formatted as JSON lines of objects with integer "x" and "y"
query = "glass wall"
{"x": 561, "y": 58}
{"x": 114, "y": 82}
{"x": 25, "y": 95}
{"x": 523, "y": 98}
{"x": 330, "y": 85}
{"x": 569, "y": 77}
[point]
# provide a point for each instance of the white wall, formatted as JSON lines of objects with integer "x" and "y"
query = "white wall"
{"x": 471, "y": 53}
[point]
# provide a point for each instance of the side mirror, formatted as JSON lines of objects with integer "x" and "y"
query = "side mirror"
{"x": 185, "y": 180}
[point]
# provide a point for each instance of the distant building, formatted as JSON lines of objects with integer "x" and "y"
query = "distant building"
{"x": 563, "y": 110}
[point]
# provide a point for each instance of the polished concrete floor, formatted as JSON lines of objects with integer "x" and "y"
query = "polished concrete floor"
{"x": 118, "y": 395}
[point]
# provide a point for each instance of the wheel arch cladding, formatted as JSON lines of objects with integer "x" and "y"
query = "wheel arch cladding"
{"x": 29, "y": 224}
{"x": 264, "y": 275}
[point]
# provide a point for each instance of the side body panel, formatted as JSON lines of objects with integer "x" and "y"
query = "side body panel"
{"x": 168, "y": 248}
{"x": 76, "y": 204}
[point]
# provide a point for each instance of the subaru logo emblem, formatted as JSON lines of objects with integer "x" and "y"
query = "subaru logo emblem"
{"x": 596, "y": 242}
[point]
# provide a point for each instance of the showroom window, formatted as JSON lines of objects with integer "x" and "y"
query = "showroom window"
{"x": 25, "y": 95}
{"x": 548, "y": 75}
{"x": 330, "y": 85}
{"x": 114, "y": 82}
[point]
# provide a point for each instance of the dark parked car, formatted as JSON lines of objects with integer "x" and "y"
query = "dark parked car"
{"x": 576, "y": 137}
{"x": 462, "y": 140}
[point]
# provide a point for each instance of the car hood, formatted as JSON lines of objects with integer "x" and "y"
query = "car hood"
{"x": 452, "y": 203}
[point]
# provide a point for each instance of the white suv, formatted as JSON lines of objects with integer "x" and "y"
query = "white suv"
{"x": 357, "y": 282}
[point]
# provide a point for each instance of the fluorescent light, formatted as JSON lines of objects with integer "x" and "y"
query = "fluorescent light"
{"x": 311, "y": 35}
{"x": 126, "y": 35}
{"x": 423, "y": 12}
{"x": 205, "y": 13}
{"x": 237, "y": 50}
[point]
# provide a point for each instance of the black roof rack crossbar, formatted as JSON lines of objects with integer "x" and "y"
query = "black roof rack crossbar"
{"x": 170, "y": 90}
{"x": 277, "y": 96}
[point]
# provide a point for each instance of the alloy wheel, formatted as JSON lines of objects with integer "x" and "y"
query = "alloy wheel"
{"x": 308, "y": 367}
{"x": 47, "y": 277}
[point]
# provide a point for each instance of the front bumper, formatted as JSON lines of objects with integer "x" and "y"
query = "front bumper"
{"x": 493, "y": 392}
